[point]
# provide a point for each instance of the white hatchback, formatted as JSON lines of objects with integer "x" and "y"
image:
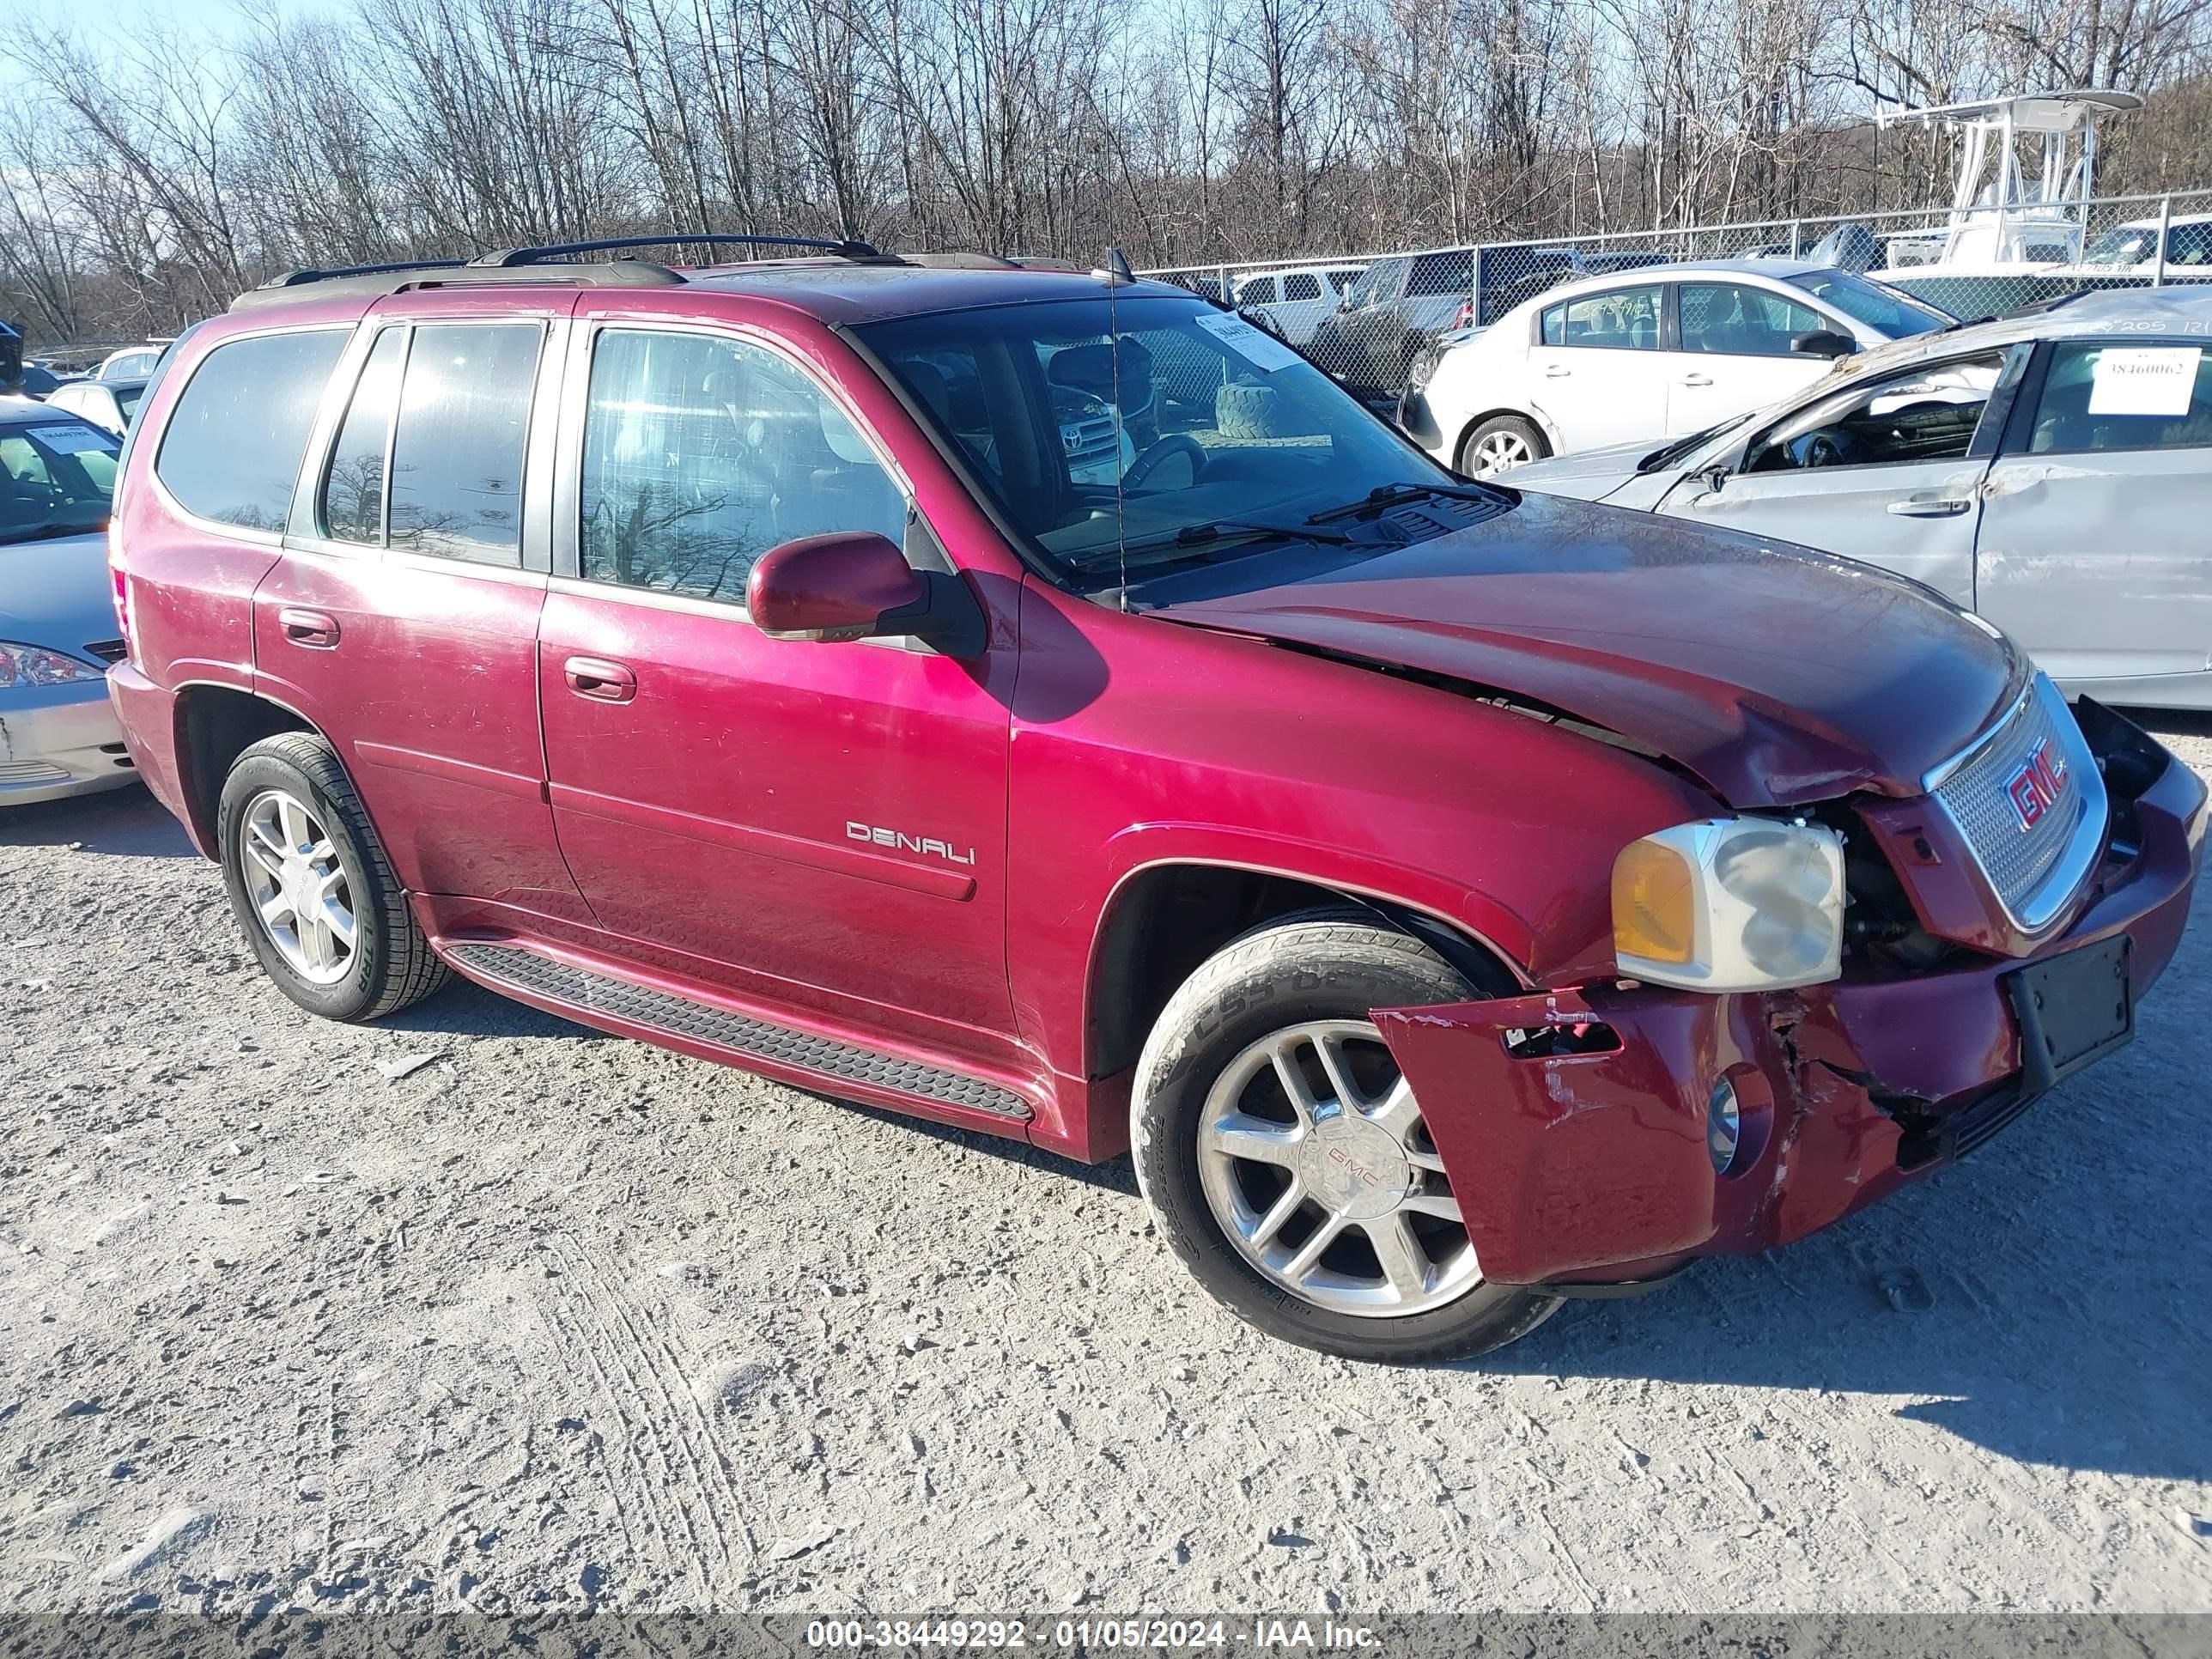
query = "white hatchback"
{"x": 1659, "y": 351}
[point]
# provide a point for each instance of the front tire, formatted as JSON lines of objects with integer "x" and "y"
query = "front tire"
{"x": 1286, "y": 1160}
{"x": 311, "y": 885}
{"x": 1499, "y": 445}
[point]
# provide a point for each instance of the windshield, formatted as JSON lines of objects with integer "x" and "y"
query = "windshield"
{"x": 1188, "y": 425}
{"x": 2127, "y": 244}
{"x": 55, "y": 475}
{"x": 1893, "y": 314}
{"x": 1682, "y": 448}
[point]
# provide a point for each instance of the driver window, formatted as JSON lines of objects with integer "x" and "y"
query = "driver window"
{"x": 701, "y": 453}
{"x": 1927, "y": 414}
{"x": 1743, "y": 322}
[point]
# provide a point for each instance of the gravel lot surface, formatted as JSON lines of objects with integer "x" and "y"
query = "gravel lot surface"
{"x": 556, "y": 1319}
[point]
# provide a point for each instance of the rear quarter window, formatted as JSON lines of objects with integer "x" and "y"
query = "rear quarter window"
{"x": 231, "y": 449}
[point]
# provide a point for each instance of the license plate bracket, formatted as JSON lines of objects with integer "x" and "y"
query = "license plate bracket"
{"x": 2074, "y": 1010}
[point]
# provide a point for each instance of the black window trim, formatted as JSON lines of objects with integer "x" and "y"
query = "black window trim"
{"x": 568, "y": 493}
{"x": 2020, "y": 427}
{"x": 162, "y": 491}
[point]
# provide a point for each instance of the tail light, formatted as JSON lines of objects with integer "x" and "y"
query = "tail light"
{"x": 1464, "y": 318}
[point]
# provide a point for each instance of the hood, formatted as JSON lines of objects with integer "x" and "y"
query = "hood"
{"x": 1779, "y": 676}
{"x": 1589, "y": 475}
{"x": 57, "y": 593}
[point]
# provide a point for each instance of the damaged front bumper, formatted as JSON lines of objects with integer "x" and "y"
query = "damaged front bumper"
{"x": 1572, "y": 1123}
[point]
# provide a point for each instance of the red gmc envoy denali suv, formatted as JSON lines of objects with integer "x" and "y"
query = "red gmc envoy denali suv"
{"x": 1041, "y": 701}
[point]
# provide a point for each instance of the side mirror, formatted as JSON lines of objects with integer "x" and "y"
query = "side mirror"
{"x": 843, "y": 586}
{"x": 1823, "y": 343}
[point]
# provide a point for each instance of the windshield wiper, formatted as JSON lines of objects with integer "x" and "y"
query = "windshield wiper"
{"x": 1191, "y": 537}
{"x": 1384, "y": 495}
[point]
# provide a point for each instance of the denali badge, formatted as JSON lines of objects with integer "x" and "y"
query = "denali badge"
{"x": 2033, "y": 790}
{"x": 898, "y": 843}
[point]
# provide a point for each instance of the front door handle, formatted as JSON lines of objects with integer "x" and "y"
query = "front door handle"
{"x": 316, "y": 629}
{"x": 1928, "y": 507}
{"x": 600, "y": 680}
{"x": 1697, "y": 379}
{"x": 1558, "y": 372}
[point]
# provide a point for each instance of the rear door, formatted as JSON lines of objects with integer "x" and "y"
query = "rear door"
{"x": 1730, "y": 352}
{"x": 1887, "y": 471}
{"x": 819, "y": 825}
{"x": 402, "y": 619}
{"x": 2095, "y": 550}
{"x": 1595, "y": 372}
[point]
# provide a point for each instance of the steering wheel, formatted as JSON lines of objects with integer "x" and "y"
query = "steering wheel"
{"x": 1175, "y": 443}
{"x": 1825, "y": 449}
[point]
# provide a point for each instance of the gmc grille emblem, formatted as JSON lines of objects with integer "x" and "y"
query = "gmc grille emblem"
{"x": 2033, "y": 790}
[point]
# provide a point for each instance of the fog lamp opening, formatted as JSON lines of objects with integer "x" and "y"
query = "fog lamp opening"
{"x": 1723, "y": 1125}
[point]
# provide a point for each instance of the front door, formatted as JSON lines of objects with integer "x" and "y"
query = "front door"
{"x": 1731, "y": 352}
{"x": 1887, "y": 471}
{"x": 402, "y": 619}
{"x": 2095, "y": 552}
{"x": 1595, "y": 372}
{"x": 814, "y": 824}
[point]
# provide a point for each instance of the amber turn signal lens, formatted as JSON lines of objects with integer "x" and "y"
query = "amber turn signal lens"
{"x": 1654, "y": 909}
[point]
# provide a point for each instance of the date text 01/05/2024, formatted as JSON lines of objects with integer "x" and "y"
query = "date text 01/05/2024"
{"x": 1087, "y": 1634}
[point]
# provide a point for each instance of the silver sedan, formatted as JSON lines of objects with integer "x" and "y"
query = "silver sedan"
{"x": 58, "y": 735}
{"x": 2051, "y": 471}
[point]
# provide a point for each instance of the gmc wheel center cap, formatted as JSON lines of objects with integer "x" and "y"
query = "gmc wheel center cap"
{"x": 1353, "y": 1166}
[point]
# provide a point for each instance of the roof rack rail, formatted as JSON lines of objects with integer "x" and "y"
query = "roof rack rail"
{"x": 551, "y": 251}
{"x": 380, "y": 281}
{"x": 313, "y": 274}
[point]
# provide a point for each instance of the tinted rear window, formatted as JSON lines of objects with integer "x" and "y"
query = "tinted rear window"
{"x": 457, "y": 456}
{"x": 231, "y": 449}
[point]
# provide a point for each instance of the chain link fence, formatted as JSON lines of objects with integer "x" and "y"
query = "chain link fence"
{"x": 1366, "y": 318}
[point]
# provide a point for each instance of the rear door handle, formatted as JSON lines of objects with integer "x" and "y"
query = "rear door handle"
{"x": 1697, "y": 379}
{"x": 316, "y": 629}
{"x": 1558, "y": 372}
{"x": 1928, "y": 507}
{"x": 600, "y": 680}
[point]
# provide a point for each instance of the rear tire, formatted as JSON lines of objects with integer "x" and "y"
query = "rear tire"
{"x": 1247, "y": 1184}
{"x": 1500, "y": 444}
{"x": 309, "y": 883}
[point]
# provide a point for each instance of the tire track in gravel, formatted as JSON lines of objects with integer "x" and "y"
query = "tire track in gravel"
{"x": 631, "y": 1434}
{"x": 629, "y": 1376}
{"x": 704, "y": 1448}
{"x": 697, "y": 1444}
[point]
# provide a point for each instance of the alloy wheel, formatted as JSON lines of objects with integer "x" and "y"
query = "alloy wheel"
{"x": 298, "y": 886}
{"x": 1500, "y": 451}
{"x": 1317, "y": 1164}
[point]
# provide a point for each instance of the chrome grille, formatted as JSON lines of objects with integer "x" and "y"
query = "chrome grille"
{"x": 1088, "y": 440}
{"x": 2033, "y": 869}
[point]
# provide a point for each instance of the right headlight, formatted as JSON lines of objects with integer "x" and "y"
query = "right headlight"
{"x": 1730, "y": 905}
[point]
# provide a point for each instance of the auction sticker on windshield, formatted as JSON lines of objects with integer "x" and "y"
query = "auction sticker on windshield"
{"x": 1255, "y": 346}
{"x": 2145, "y": 379}
{"x": 72, "y": 440}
